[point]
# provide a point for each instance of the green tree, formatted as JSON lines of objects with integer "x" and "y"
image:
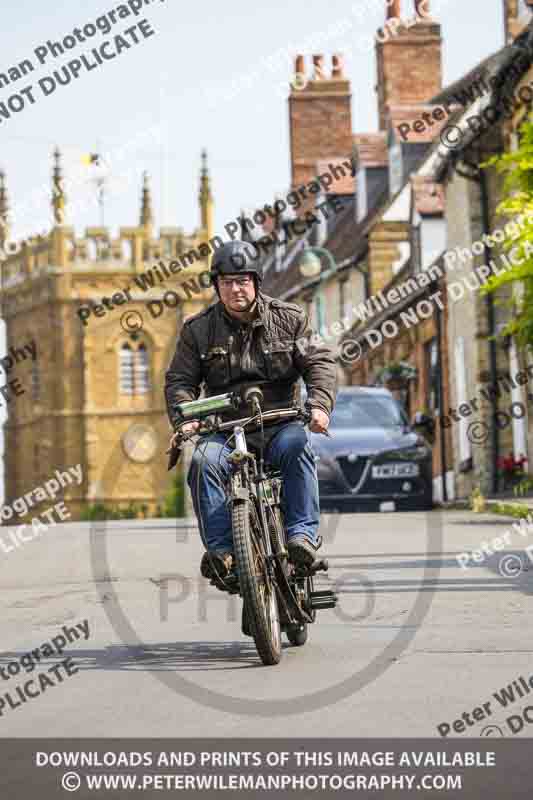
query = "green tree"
{"x": 174, "y": 505}
{"x": 517, "y": 167}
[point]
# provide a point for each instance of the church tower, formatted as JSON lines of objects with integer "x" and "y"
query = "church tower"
{"x": 93, "y": 394}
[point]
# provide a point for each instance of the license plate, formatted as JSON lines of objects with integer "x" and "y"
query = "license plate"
{"x": 395, "y": 471}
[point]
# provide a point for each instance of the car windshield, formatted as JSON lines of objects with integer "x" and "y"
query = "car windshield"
{"x": 366, "y": 411}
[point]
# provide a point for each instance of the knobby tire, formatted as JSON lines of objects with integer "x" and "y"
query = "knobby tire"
{"x": 261, "y": 605}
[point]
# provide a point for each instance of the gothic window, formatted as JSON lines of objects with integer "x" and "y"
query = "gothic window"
{"x": 126, "y": 369}
{"x": 134, "y": 369}
{"x": 141, "y": 369}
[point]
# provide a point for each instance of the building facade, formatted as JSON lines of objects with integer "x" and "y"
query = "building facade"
{"x": 93, "y": 395}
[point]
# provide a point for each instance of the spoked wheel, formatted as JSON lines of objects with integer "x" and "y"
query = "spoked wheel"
{"x": 257, "y": 587}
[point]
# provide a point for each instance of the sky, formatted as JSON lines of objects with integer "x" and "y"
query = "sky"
{"x": 212, "y": 76}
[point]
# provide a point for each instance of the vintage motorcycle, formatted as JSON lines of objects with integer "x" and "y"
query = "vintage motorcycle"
{"x": 277, "y": 595}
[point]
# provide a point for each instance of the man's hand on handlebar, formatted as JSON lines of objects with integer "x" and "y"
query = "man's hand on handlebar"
{"x": 190, "y": 427}
{"x": 319, "y": 421}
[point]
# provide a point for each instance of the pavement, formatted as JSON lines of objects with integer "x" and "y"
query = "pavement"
{"x": 415, "y": 642}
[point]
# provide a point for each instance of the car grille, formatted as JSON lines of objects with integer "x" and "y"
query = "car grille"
{"x": 394, "y": 486}
{"x": 329, "y": 487}
{"x": 352, "y": 471}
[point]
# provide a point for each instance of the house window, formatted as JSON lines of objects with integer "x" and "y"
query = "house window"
{"x": 432, "y": 377}
{"x": 320, "y": 311}
{"x": 342, "y": 298}
{"x": 416, "y": 248}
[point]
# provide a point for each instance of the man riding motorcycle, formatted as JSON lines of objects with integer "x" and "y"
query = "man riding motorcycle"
{"x": 249, "y": 337}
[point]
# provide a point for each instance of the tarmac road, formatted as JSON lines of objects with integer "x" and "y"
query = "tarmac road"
{"x": 415, "y": 641}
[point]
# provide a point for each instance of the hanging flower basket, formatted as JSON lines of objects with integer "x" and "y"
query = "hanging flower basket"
{"x": 512, "y": 470}
{"x": 396, "y": 375}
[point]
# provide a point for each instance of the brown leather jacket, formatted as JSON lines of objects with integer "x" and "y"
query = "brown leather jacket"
{"x": 223, "y": 353}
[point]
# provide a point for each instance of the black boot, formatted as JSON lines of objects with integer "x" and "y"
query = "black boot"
{"x": 301, "y": 551}
{"x": 216, "y": 565}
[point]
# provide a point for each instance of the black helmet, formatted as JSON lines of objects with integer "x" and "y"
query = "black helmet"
{"x": 235, "y": 257}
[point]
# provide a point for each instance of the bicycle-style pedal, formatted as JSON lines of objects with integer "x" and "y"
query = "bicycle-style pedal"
{"x": 325, "y": 598}
{"x": 319, "y": 566}
{"x": 229, "y": 584}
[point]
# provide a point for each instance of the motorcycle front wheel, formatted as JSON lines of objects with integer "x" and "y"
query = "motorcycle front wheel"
{"x": 258, "y": 589}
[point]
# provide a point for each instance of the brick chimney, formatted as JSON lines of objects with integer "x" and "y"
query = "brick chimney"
{"x": 320, "y": 119}
{"x": 408, "y": 53}
{"x": 516, "y": 15}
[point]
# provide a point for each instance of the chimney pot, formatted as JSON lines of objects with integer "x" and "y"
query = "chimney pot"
{"x": 299, "y": 65}
{"x": 394, "y": 9}
{"x": 318, "y": 63}
{"x": 337, "y": 66}
{"x": 422, "y": 8}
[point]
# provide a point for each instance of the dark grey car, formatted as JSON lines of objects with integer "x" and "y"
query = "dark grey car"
{"x": 374, "y": 456}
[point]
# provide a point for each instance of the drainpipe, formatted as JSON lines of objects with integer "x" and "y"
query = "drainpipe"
{"x": 480, "y": 178}
{"x": 495, "y": 439}
{"x": 442, "y": 432}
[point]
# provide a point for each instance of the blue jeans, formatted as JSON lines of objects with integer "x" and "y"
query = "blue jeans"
{"x": 289, "y": 451}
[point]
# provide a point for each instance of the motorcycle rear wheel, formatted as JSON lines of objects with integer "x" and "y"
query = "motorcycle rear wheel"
{"x": 297, "y": 634}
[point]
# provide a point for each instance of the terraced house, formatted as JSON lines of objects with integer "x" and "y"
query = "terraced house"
{"x": 377, "y": 276}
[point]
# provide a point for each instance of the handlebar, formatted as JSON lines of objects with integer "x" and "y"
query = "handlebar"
{"x": 197, "y": 410}
{"x": 268, "y": 416}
